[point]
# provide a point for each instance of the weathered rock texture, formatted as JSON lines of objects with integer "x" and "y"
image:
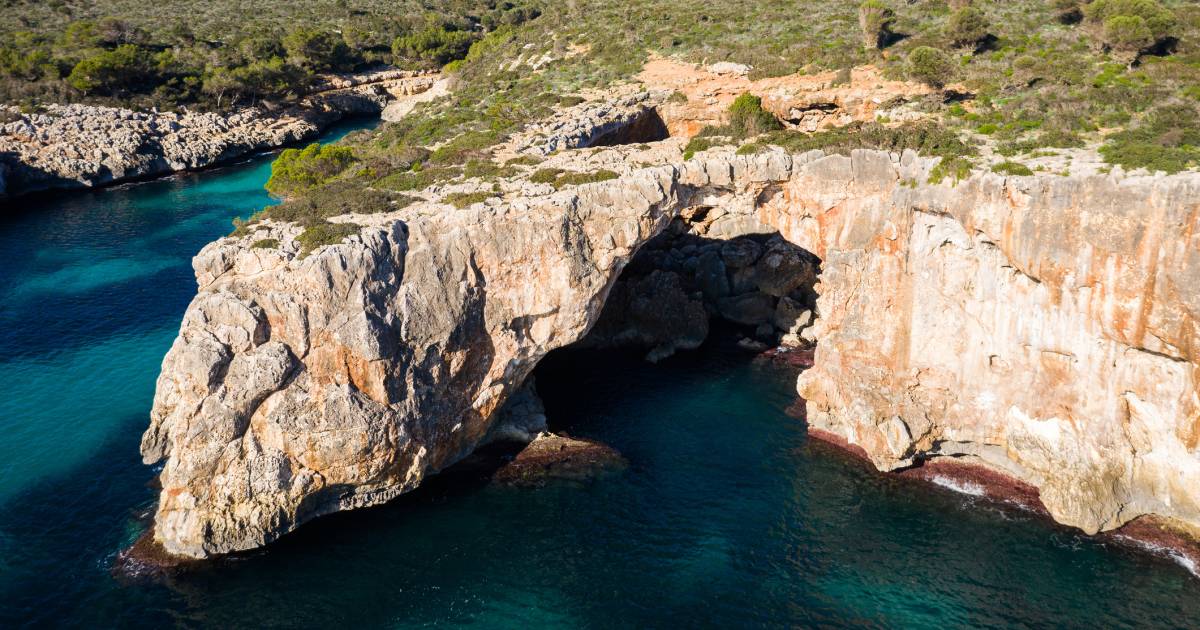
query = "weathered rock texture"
{"x": 680, "y": 280}
{"x": 78, "y": 146}
{"x": 1045, "y": 327}
{"x": 299, "y": 387}
{"x": 801, "y": 101}
{"x": 550, "y": 457}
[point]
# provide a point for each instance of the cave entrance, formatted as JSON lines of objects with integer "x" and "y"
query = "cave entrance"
{"x": 713, "y": 278}
{"x": 646, "y": 127}
{"x": 685, "y": 281}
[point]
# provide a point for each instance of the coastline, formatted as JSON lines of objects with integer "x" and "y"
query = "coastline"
{"x": 1156, "y": 536}
{"x": 73, "y": 147}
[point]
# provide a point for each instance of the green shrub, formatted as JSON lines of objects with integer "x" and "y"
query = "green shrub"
{"x": 434, "y": 44}
{"x": 1011, "y": 168}
{"x": 419, "y": 178}
{"x": 1127, "y": 36}
{"x": 524, "y": 160}
{"x": 698, "y": 144}
{"x": 462, "y": 200}
{"x": 335, "y": 199}
{"x": 265, "y": 243}
{"x": 1159, "y": 19}
{"x": 927, "y": 139}
{"x": 318, "y": 50}
{"x": 545, "y": 175}
{"x": 576, "y": 179}
{"x": 748, "y": 118}
{"x": 324, "y": 233}
{"x": 296, "y": 170}
{"x": 109, "y": 71}
{"x": 967, "y": 27}
{"x": 955, "y": 166}
{"x": 487, "y": 169}
{"x": 1167, "y": 139}
{"x": 875, "y": 21}
{"x": 560, "y": 178}
{"x": 929, "y": 66}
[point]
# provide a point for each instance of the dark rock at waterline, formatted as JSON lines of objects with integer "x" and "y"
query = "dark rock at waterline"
{"x": 558, "y": 457}
{"x": 146, "y": 558}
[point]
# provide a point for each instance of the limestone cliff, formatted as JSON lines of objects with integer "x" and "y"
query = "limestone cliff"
{"x": 1043, "y": 326}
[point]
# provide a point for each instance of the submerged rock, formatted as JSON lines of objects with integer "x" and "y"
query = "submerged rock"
{"x": 558, "y": 457}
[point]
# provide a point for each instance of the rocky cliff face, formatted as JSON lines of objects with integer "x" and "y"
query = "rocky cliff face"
{"x": 1044, "y": 327}
{"x": 77, "y": 146}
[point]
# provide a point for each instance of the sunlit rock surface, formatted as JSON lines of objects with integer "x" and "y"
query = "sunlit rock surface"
{"x": 1042, "y": 326}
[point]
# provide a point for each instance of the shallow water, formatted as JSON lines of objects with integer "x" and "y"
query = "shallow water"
{"x": 728, "y": 515}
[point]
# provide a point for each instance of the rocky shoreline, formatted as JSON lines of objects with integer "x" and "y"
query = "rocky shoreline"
{"x": 84, "y": 146}
{"x": 1147, "y": 534}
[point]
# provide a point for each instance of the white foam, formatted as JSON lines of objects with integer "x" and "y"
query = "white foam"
{"x": 964, "y": 487}
{"x": 1165, "y": 552}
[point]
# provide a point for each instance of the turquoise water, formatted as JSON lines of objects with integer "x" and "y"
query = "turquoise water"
{"x": 727, "y": 516}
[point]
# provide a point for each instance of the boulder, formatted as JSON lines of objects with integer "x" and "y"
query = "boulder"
{"x": 550, "y": 457}
{"x": 750, "y": 309}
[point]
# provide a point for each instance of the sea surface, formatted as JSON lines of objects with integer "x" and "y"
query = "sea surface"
{"x": 728, "y": 515}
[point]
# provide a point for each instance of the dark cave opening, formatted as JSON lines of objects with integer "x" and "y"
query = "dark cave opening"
{"x": 646, "y": 127}
{"x": 681, "y": 285}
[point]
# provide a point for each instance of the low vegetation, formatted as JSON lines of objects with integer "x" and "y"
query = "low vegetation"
{"x": 1166, "y": 139}
{"x": 1011, "y": 168}
{"x": 1024, "y": 75}
{"x": 466, "y": 199}
{"x": 560, "y": 178}
{"x": 747, "y": 119}
{"x": 324, "y": 233}
{"x": 297, "y": 170}
{"x": 218, "y": 54}
{"x": 930, "y": 66}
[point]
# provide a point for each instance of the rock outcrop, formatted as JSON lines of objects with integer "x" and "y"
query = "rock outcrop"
{"x": 1044, "y": 327}
{"x": 301, "y": 386}
{"x": 549, "y": 457}
{"x": 78, "y": 146}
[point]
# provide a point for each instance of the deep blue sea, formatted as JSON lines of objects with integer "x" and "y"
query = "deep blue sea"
{"x": 728, "y": 516}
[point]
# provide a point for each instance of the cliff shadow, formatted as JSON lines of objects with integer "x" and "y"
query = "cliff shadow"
{"x": 756, "y": 284}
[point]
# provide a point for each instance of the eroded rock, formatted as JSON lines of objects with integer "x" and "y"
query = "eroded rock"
{"x": 1045, "y": 327}
{"x": 551, "y": 457}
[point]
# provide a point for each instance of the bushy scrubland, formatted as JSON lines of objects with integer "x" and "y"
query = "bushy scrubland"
{"x": 221, "y": 53}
